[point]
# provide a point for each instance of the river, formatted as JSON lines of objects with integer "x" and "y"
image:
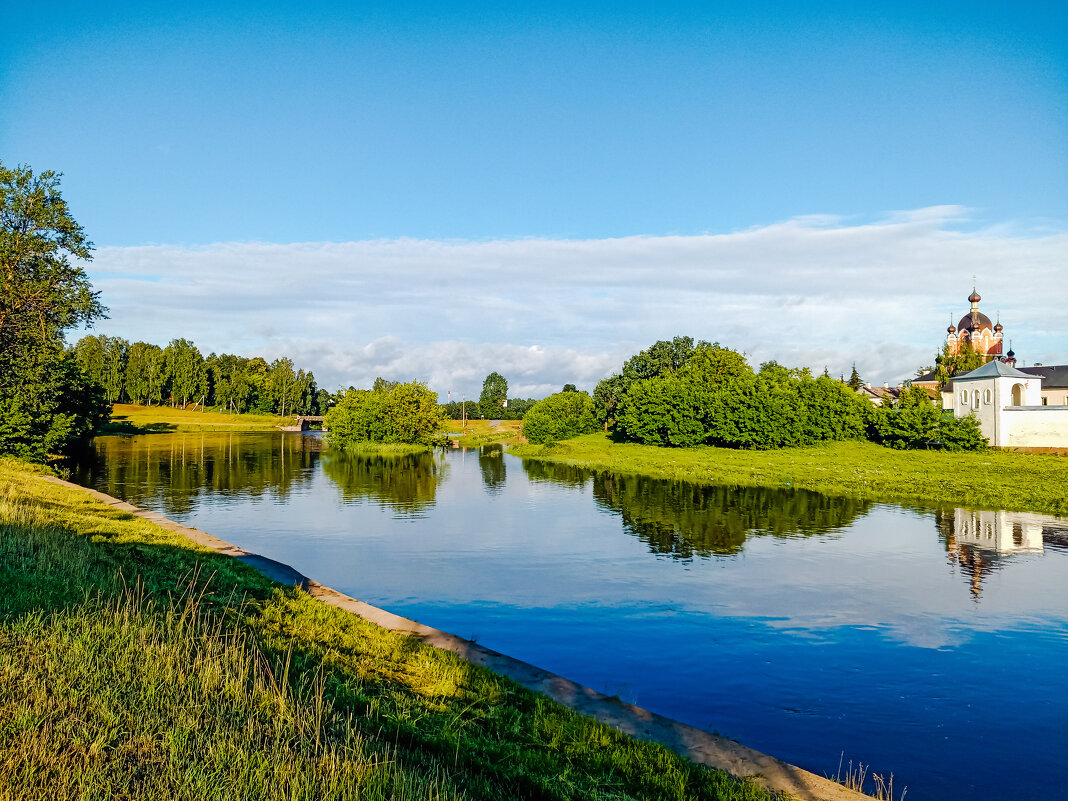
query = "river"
{"x": 927, "y": 643}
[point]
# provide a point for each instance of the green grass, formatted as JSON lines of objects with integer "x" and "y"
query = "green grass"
{"x": 127, "y": 418}
{"x": 480, "y": 432}
{"x": 386, "y": 448}
{"x": 986, "y": 479}
{"x": 134, "y": 665}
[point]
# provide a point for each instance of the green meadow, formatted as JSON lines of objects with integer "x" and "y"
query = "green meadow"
{"x": 985, "y": 479}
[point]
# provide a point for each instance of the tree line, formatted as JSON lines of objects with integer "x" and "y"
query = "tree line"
{"x": 180, "y": 375}
{"x": 679, "y": 394}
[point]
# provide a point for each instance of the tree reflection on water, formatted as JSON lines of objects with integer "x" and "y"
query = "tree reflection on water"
{"x": 406, "y": 483}
{"x": 683, "y": 520}
{"x": 168, "y": 471}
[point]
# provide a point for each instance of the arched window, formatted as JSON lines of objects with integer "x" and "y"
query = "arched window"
{"x": 1018, "y": 395}
{"x": 964, "y": 397}
{"x": 975, "y": 399}
{"x": 987, "y": 397}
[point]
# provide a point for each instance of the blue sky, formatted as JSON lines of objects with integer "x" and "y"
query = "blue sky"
{"x": 187, "y": 126}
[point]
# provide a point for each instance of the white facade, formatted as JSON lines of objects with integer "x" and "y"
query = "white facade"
{"x": 1002, "y": 532}
{"x": 1008, "y": 405}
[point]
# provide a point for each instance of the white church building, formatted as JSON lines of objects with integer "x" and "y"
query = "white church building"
{"x": 1009, "y": 406}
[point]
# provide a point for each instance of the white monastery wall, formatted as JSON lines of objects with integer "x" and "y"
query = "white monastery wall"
{"x": 1034, "y": 427}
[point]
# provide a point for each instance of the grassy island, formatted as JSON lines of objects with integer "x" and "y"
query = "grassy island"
{"x": 134, "y": 664}
{"x": 986, "y": 479}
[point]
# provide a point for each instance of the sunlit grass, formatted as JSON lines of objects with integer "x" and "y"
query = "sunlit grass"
{"x": 481, "y": 432}
{"x": 127, "y": 418}
{"x": 135, "y": 665}
{"x": 986, "y": 479}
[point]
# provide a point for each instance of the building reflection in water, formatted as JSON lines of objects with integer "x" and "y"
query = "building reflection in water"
{"x": 979, "y": 541}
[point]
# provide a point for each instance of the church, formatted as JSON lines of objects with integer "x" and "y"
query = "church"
{"x": 1025, "y": 407}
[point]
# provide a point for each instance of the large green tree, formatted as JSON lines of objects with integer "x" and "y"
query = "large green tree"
{"x": 46, "y": 404}
{"x": 494, "y": 396}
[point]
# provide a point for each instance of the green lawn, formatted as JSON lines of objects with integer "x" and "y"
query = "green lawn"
{"x": 134, "y": 665}
{"x": 986, "y": 479}
{"x": 128, "y": 418}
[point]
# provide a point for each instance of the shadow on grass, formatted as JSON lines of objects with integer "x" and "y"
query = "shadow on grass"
{"x": 479, "y": 734}
{"x": 120, "y": 426}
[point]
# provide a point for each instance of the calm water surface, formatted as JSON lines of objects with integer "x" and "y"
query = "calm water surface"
{"x": 932, "y": 644}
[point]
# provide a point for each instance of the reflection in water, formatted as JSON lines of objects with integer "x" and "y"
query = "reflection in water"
{"x": 491, "y": 463}
{"x": 861, "y": 640}
{"x": 169, "y": 471}
{"x": 683, "y": 520}
{"x": 979, "y": 540}
{"x": 408, "y": 483}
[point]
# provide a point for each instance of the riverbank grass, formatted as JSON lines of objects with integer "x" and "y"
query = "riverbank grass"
{"x": 127, "y": 418}
{"x": 989, "y": 479}
{"x": 485, "y": 432}
{"x": 134, "y": 664}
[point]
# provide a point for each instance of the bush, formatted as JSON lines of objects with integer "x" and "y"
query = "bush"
{"x": 560, "y": 416}
{"x": 920, "y": 424}
{"x": 401, "y": 413}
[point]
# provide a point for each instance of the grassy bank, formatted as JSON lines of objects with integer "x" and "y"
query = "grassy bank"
{"x": 135, "y": 665}
{"x": 482, "y": 432}
{"x": 127, "y": 418}
{"x": 987, "y": 479}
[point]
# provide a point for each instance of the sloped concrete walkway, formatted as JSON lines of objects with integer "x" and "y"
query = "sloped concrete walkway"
{"x": 693, "y": 743}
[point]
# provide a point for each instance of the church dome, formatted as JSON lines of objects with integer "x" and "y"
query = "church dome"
{"x": 974, "y": 297}
{"x": 980, "y": 321}
{"x": 951, "y": 330}
{"x": 999, "y": 327}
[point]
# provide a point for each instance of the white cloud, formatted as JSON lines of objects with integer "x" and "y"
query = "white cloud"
{"x": 812, "y": 291}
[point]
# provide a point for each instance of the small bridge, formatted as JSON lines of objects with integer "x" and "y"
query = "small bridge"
{"x": 304, "y": 423}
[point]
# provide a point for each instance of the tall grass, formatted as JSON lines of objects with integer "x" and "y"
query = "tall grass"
{"x": 136, "y": 666}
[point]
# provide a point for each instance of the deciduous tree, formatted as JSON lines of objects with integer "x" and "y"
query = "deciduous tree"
{"x": 43, "y": 291}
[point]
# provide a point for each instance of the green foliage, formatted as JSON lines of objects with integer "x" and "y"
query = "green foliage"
{"x": 606, "y": 397}
{"x": 948, "y": 365}
{"x": 403, "y": 413}
{"x": 716, "y": 399}
{"x": 560, "y": 416}
{"x": 494, "y": 396}
{"x": 916, "y": 422}
{"x": 855, "y": 382}
{"x": 458, "y": 410}
{"x": 569, "y": 388}
{"x": 46, "y": 403}
{"x": 103, "y": 360}
{"x": 184, "y": 367}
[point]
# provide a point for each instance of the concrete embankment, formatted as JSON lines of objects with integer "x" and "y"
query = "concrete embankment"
{"x": 695, "y": 744}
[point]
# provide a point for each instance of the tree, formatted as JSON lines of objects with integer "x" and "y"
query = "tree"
{"x": 949, "y": 364}
{"x": 144, "y": 373}
{"x": 494, "y": 396}
{"x": 43, "y": 392}
{"x": 185, "y": 371}
{"x": 561, "y": 416}
{"x": 855, "y": 382}
{"x": 282, "y": 383}
{"x": 403, "y": 413}
{"x": 569, "y": 388}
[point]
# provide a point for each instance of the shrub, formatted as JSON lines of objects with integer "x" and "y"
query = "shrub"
{"x": 560, "y": 416}
{"x": 401, "y": 413}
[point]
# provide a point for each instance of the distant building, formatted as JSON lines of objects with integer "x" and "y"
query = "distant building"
{"x": 1009, "y": 406}
{"x": 987, "y": 340}
{"x": 975, "y": 327}
{"x": 879, "y": 395}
